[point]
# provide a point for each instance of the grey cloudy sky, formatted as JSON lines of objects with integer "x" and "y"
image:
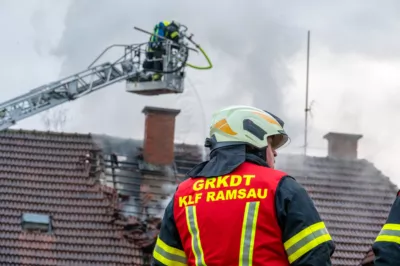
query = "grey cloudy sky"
{"x": 258, "y": 48}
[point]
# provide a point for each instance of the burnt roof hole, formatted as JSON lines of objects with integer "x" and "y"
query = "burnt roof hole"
{"x": 33, "y": 222}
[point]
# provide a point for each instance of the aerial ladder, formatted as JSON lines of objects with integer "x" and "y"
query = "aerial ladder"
{"x": 128, "y": 67}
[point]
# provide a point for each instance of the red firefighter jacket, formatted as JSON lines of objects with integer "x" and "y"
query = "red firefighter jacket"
{"x": 230, "y": 220}
{"x": 248, "y": 215}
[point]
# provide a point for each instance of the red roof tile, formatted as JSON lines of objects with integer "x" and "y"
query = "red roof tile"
{"x": 48, "y": 173}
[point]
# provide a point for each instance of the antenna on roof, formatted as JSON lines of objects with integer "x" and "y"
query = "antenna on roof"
{"x": 307, "y": 108}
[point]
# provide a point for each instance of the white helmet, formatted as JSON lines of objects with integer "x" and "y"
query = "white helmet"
{"x": 247, "y": 125}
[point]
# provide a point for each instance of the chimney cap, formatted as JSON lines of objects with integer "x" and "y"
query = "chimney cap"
{"x": 160, "y": 110}
{"x": 336, "y": 135}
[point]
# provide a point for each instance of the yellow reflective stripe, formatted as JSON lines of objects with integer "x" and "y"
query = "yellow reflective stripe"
{"x": 393, "y": 239}
{"x": 248, "y": 233}
{"x": 169, "y": 255}
{"x": 389, "y": 233}
{"x": 174, "y": 34}
{"x": 169, "y": 249}
{"x": 191, "y": 219}
{"x": 391, "y": 227}
{"x": 306, "y": 240}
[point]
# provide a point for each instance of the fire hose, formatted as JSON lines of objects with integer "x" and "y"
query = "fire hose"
{"x": 204, "y": 54}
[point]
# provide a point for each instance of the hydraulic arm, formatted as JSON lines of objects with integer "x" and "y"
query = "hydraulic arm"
{"x": 127, "y": 67}
{"x": 56, "y": 93}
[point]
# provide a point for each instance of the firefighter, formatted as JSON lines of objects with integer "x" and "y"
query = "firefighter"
{"x": 236, "y": 209}
{"x": 387, "y": 244}
{"x": 155, "y": 50}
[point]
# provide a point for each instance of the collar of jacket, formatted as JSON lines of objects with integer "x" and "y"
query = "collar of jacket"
{"x": 223, "y": 161}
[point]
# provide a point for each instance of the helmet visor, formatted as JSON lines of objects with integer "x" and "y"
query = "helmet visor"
{"x": 279, "y": 140}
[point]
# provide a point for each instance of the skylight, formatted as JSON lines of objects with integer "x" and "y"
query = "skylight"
{"x": 36, "y": 222}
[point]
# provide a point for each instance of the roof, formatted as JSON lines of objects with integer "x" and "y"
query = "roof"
{"x": 352, "y": 196}
{"x": 57, "y": 175}
{"x": 51, "y": 173}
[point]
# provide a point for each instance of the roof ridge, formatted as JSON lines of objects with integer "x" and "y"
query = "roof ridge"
{"x": 48, "y": 132}
{"x": 382, "y": 175}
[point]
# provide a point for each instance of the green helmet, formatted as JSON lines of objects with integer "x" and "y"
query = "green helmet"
{"x": 246, "y": 125}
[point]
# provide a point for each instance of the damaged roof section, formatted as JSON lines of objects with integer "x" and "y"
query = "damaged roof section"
{"x": 58, "y": 176}
{"x": 144, "y": 188}
{"x": 145, "y": 173}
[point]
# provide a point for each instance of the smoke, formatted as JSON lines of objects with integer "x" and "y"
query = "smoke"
{"x": 251, "y": 45}
{"x": 258, "y": 50}
{"x": 250, "y": 54}
{"x": 168, "y": 190}
{"x": 121, "y": 146}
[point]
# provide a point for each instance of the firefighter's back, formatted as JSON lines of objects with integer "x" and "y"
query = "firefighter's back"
{"x": 231, "y": 220}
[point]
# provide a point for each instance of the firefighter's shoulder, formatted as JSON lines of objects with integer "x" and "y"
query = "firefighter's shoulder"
{"x": 291, "y": 197}
{"x": 168, "y": 248}
{"x": 289, "y": 186}
{"x": 187, "y": 183}
{"x": 394, "y": 214}
{"x": 301, "y": 225}
{"x": 387, "y": 246}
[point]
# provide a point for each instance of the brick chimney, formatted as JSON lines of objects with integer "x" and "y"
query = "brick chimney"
{"x": 343, "y": 146}
{"x": 158, "y": 146}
